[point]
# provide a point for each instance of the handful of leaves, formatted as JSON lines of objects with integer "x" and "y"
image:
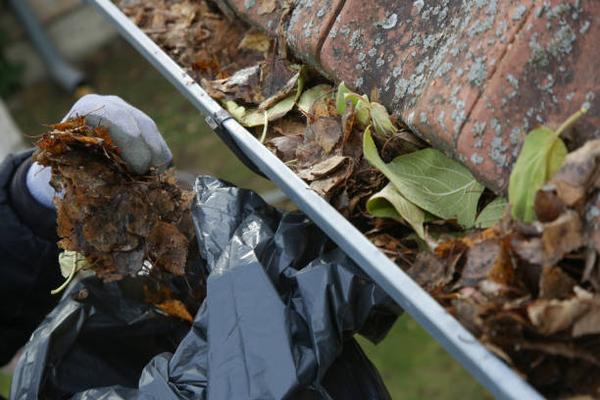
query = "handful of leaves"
{"x": 121, "y": 222}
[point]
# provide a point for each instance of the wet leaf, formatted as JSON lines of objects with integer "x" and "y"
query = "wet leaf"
{"x": 323, "y": 168}
{"x": 431, "y": 181}
{"x": 108, "y": 213}
{"x": 285, "y": 146}
{"x": 266, "y": 6}
{"x": 578, "y": 174}
{"x": 555, "y": 284}
{"x": 488, "y": 262}
{"x": 257, "y": 41}
{"x": 363, "y": 112}
{"x": 326, "y": 132}
{"x": 553, "y": 316}
{"x": 389, "y": 203}
{"x": 548, "y": 205}
{"x": 255, "y": 117}
{"x": 558, "y": 238}
{"x": 238, "y": 112}
{"x": 310, "y": 96}
{"x": 175, "y": 308}
{"x": 382, "y": 123}
{"x": 492, "y": 213}
{"x": 430, "y": 272}
{"x": 244, "y": 85}
{"x": 340, "y": 98}
{"x": 541, "y": 156}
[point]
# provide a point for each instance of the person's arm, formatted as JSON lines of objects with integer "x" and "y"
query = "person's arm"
{"x": 28, "y": 252}
{"x": 28, "y": 257}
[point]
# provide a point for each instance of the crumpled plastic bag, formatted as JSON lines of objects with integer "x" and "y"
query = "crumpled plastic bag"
{"x": 282, "y": 306}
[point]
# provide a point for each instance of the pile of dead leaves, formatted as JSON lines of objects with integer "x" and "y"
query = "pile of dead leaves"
{"x": 198, "y": 36}
{"x": 121, "y": 222}
{"x": 530, "y": 292}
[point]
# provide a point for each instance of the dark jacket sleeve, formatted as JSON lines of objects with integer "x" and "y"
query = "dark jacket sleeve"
{"x": 28, "y": 257}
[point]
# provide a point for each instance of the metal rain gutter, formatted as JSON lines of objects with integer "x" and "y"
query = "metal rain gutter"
{"x": 489, "y": 370}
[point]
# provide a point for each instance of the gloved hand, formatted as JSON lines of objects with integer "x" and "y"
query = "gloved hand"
{"x": 141, "y": 144}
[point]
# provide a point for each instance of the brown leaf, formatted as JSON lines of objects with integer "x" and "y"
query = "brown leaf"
{"x": 278, "y": 78}
{"x": 257, "y": 41}
{"x": 555, "y": 284}
{"x": 430, "y": 272}
{"x": 327, "y": 132}
{"x": 488, "y": 266}
{"x": 285, "y": 146}
{"x": 175, "y": 308}
{"x": 266, "y": 6}
{"x": 168, "y": 248}
{"x": 548, "y": 205}
{"x": 552, "y": 316}
{"x": 558, "y": 238}
{"x": 325, "y": 186}
{"x": 592, "y": 222}
{"x": 244, "y": 85}
{"x": 579, "y": 173}
{"x": 288, "y": 127}
{"x": 323, "y": 168}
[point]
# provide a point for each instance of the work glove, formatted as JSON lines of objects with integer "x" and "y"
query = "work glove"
{"x": 132, "y": 131}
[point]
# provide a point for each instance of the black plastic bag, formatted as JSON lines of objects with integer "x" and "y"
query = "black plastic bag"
{"x": 282, "y": 306}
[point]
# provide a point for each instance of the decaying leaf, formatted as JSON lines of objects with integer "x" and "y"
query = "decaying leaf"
{"x": 116, "y": 219}
{"x": 579, "y": 174}
{"x": 175, "y": 308}
{"x": 382, "y": 124}
{"x": 244, "y": 85}
{"x": 310, "y": 96}
{"x": 558, "y": 238}
{"x": 323, "y": 168}
{"x": 430, "y": 272}
{"x": 266, "y": 6}
{"x": 579, "y": 314}
{"x": 257, "y": 41}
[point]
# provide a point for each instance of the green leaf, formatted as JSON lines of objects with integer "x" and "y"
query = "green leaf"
{"x": 256, "y": 117}
{"x": 340, "y": 100}
{"x": 389, "y": 203}
{"x": 238, "y": 112}
{"x": 310, "y": 96}
{"x": 492, "y": 213}
{"x": 431, "y": 181}
{"x": 382, "y": 122}
{"x": 302, "y": 78}
{"x": 363, "y": 112}
{"x": 542, "y": 154}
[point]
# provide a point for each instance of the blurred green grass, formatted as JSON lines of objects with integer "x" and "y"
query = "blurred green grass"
{"x": 4, "y": 385}
{"x": 412, "y": 364}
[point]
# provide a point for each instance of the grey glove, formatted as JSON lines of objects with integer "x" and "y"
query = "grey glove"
{"x": 132, "y": 131}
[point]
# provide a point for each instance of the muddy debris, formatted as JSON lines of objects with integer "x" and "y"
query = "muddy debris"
{"x": 122, "y": 223}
